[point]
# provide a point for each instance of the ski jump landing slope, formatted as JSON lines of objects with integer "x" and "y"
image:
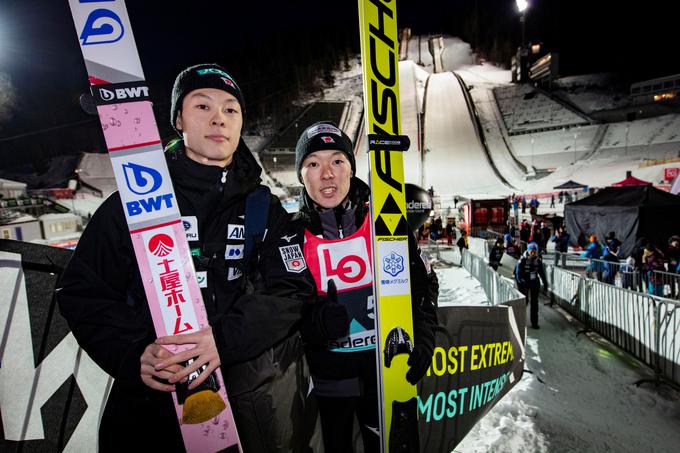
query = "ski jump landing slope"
{"x": 456, "y": 161}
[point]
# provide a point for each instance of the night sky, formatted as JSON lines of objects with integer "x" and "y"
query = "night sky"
{"x": 42, "y": 73}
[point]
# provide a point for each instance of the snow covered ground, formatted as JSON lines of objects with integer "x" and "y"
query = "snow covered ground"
{"x": 579, "y": 397}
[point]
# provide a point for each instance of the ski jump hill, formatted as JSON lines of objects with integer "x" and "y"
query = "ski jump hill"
{"x": 448, "y": 152}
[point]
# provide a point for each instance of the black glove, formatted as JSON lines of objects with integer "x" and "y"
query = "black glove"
{"x": 332, "y": 316}
{"x": 419, "y": 360}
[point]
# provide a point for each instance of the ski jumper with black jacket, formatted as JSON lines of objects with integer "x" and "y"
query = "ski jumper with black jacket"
{"x": 351, "y": 359}
{"x": 344, "y": 375}
{"x": 254, "y": 315}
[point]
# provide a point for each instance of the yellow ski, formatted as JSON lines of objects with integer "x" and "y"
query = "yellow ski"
{"x": 391, "y": 279}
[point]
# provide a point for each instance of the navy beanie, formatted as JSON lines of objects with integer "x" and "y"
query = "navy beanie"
{"x": 324, "y": 135}
{"x": 202, "y": 76}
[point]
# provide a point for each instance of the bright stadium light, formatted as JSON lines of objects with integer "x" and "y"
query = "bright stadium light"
{"x": 522, "y": 5}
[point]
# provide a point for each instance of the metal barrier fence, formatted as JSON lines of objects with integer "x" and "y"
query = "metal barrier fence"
{"x": 497, "y": 288}
{"x": 646, "y": 326}
{"x": 616, "y": 273}
{"x": 667, "y": 284}
{"x": 479, "y": 246}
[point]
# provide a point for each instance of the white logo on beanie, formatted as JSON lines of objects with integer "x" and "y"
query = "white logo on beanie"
{"x": 323, "y": 129}
{"x": 327, "y": 139}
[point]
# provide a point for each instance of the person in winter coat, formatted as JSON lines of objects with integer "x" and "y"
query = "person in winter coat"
{"x": 611, "y": 264}
{"x": 527, "y": 273}
{"x": 253, "y": 314}
{"x": 510, "y": 228}
{"x": 462, "y": 242}
{"x": 653, "y": 260}
{"x": 534, "y": 202}
{"x": 525, "y": 232}
{"x": 640, "y": 268}
{"x": 537, "y": 237}
{"x": 496, "y": 254}
{"x": 545, "y": 233}
{"x": 673, "y": 253}
{"x": 594, "y": 253}
{"x": 581, "y": 240}
{"x": 339, "y": 330}
{"x": 511, "y": 247}
{"x": 612, "y": 240}
{"x": 673, "y": 257}
{"x": 449, "y": 232}
{"x": 561, "y": 240}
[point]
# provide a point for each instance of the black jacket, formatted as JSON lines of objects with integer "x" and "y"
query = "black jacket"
{"x": 496, "y": 254}
{"x": 528, "y": 271}
{"x": 101, "y": 295}
{"x": 329, "y": 365}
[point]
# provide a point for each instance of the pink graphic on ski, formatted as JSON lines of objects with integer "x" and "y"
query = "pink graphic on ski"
{"x": 149, "y": 202}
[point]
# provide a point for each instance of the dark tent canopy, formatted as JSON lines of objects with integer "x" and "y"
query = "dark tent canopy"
{"x": 631, "y": 212}
{"x": 570, "y": 185}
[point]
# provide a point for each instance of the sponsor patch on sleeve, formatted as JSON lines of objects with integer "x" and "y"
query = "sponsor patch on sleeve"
{"x": 202, "y": 277}
{"x": 233, "y": 273}
{"x": 190, "y": 224}
{"x": 236, "y": 232}
{"x": 233, "y": 252}
{"x": 292, "y": 258}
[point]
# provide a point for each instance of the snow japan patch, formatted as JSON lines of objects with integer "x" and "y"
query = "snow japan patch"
{"x": 292, "y": 258}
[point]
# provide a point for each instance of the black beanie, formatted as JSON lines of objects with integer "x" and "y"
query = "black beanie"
{"x": 321, "y": 136}
{"x": 202, "y": 76}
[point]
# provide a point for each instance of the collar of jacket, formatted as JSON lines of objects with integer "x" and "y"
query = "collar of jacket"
{"x": 359, "y": 194}
{"x": 242, "y": 175}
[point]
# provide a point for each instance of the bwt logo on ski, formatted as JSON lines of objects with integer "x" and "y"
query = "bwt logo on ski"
{"x": 346, "y": 262}
{"x": 130, "y": 93}
{"x": 140, "y": 179}
{"x": 102, "y": 26}
{"x": 143, "y": 180}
